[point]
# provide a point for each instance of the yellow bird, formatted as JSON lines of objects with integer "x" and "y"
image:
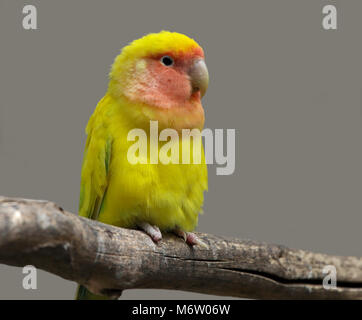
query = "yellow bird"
{"x": 160, "y": 77}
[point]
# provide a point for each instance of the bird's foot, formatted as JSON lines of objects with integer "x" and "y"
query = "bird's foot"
{"x": 190, "y": 238}
{"x": 153, "y": 231}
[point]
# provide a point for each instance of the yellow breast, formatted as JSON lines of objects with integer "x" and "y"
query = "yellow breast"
{"x": 164, "y": 195}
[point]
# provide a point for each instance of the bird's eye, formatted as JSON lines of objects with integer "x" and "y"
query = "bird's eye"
{"x": 167, "y": 61}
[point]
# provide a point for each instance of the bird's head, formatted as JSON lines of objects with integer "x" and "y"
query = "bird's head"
{"x": 164, "y": 76}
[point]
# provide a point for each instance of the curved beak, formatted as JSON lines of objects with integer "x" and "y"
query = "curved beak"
{"x": 199, "y": 76}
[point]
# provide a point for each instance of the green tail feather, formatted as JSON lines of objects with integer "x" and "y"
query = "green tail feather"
{"x": 84, "y": 294}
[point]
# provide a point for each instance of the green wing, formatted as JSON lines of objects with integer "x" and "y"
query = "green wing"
{"x": 95, "y": 169}
{"x": 93, "y": 188}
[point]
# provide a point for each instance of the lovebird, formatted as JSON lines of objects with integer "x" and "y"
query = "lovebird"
{"x": 159, "y": 77}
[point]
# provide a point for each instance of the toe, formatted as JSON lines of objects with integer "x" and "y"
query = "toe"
{"x": 156, "y": 236}
{"x": 192, "y": 240}
{"x": 182, "y": 234}
{"x": 153, "y": 231}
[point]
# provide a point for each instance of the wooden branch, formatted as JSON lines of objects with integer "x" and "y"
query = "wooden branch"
{"x": 109, "y": 260}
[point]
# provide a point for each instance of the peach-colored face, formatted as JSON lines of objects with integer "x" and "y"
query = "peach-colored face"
{"x": 165, "y": 81}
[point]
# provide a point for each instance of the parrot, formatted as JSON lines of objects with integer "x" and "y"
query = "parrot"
{"x": 159, "y": 77}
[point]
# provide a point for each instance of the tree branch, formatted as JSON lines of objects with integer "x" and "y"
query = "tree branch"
{"x": 108, "y": 260}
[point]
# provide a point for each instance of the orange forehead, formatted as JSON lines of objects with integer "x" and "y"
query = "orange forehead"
{"x": 192, "y": 53}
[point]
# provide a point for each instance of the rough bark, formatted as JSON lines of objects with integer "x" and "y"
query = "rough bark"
{"x": 108, "y": 260}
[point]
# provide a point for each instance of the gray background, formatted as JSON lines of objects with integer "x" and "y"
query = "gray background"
{"x": 291, "y": 89}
